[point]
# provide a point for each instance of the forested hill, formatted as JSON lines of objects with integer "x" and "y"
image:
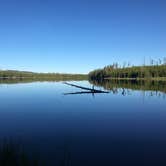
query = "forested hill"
{"x": 134, "y": 72}
{"x": 14, "y": 74}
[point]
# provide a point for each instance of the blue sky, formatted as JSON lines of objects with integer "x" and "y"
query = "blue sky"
{"x": 77, "y": 36}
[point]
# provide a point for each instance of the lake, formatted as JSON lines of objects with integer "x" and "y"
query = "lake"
{"x": 126, "y": 127}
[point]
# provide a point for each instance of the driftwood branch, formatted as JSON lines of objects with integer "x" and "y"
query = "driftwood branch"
{"x": 90, "y": 90}
{"x": 83, "y": 92}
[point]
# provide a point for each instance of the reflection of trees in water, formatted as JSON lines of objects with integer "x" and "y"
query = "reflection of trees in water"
{"x": 125, "y": 87}
{"x": 40, "y": 79}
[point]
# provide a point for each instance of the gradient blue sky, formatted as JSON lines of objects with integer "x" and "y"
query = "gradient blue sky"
{"x": 76, "y": 36}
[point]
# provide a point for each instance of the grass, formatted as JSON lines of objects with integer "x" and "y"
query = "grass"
{"x": 13, "y": 155}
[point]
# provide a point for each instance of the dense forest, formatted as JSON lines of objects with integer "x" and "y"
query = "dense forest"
{"x": 153, "y": 71}
{"x": 24, "y": 75}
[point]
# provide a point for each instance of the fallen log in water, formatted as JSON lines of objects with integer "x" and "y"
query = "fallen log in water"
{"x": 90, "y": 90}
{"x": 83, "y": 92}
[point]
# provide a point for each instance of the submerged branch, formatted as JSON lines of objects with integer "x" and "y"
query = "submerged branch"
{"x": 83, "y": 92}
{"x": 90, "y": 90}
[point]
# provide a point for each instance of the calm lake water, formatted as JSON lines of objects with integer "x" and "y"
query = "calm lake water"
{"x": 122, "y": 128}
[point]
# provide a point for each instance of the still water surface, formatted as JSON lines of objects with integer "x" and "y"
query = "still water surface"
{"x": 120, "y": 129}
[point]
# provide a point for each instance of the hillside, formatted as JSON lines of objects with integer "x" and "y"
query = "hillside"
{"x": 14, "y": 74}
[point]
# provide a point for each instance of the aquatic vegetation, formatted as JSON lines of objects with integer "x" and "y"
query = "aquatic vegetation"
{"x": 13, "y": 154}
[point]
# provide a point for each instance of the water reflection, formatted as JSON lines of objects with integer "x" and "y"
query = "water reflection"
{"x": 123, "y": 87}
{"x": 126, "y": 87}
{"x": 79, "y": 130}
{"x": 31, "y": 80}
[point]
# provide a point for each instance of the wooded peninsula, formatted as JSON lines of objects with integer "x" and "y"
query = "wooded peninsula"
{"x": 150, "y": 72}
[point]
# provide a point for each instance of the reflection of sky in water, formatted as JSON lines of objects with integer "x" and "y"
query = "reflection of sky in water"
{"x": 40, "y": 115}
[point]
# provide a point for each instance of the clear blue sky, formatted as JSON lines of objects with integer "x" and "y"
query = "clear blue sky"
{"x": 76, "y": 36}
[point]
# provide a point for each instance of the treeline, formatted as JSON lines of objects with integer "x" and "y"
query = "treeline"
{"x": 130, "y": 72}
{"x": 13, "y": 74}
